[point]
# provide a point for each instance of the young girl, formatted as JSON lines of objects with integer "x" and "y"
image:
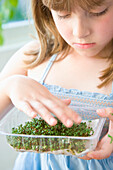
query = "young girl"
{"x": 70, "y": 67}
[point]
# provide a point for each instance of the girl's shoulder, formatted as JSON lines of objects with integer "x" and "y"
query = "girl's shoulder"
{"x": 16, "y": 64}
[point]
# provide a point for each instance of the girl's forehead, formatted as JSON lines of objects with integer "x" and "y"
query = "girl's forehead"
{"x": 70, "y": 5}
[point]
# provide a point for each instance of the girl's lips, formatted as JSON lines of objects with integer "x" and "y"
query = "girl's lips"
{"x": 84, "y": 46}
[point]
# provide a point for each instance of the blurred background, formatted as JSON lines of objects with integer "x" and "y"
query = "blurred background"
{"x": 16, "y": 29}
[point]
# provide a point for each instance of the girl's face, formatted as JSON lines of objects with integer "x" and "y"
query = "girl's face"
{"x": 88, "y": 32}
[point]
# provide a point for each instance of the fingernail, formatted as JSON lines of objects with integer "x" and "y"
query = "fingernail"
{"x": 90, "y": 155}
{"x": 69, "y": 122}
{"x": 53, "y": 121}
{"x": 101, "y": 111}
{"x": 33, "y": 114}
{"x": 79, "y": 119}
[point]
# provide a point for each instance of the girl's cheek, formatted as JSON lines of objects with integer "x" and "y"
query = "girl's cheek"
{"x": 64, "y": 31}
{"x": 106, "y": 25}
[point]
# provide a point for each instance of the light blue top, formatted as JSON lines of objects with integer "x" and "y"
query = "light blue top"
{"x": 85, "y": 103}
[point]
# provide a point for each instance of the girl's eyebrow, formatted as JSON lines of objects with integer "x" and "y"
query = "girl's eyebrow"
{"x": 107, "y": 2}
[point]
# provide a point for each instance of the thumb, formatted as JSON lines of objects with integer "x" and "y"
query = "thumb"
{"x": 67, "y": 101}
{"x": 99, "y": 154}
{"x": 95, "y": 154}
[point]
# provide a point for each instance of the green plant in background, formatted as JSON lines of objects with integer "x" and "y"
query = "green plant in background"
{"x": 7, "y": 11}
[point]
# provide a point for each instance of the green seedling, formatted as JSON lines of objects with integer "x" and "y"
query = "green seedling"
{"x": 111, "y": 138}
{"x": 40, "y": 127}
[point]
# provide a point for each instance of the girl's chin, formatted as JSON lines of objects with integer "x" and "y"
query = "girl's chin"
{"x": 87, "y": 54}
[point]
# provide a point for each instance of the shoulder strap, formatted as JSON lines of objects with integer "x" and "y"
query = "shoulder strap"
{"x": 46, "y": 71}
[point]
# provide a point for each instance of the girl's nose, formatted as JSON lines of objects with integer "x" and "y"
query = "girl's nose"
{"x": 81, "y": 28}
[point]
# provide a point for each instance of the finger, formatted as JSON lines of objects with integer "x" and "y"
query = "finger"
{"x": 85, "y": 157}
{"x": 102, "y": 151}
{"x": 66, "y": 101}
{"x": 43, "y": 112}
{"x": 63, "y": 112}
{"x": 110, "y": 131}
{"x": 99, "y": 154}
{"x": 106, "y": 112}
{"x": 26, "y": 108}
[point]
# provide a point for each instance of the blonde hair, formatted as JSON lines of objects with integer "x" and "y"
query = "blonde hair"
{"x": 50, "y": 40}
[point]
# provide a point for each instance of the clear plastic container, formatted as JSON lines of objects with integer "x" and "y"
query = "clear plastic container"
{"x": 68, "y": 145}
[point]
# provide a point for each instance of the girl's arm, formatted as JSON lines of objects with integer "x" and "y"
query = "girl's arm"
{"x": 13, "y": 67}
{"x": 29, "y": 96}
{"x": 5, "y": 102}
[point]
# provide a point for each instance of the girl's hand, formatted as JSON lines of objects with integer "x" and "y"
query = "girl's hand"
{"x": 106, "y": 112}
{"x": 105, "y": 146}
{"x": 103, "y": 150}
{"x": 33, "y": 98}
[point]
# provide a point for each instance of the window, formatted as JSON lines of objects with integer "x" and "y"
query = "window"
{"x": 14, "y": 10}
{"x": 22, "y": 12}
{"x": 17, "y": 31}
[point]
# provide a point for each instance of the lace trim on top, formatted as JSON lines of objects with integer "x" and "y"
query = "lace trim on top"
{"x": 82, "y": 96}
{"x": 56, "y": 88}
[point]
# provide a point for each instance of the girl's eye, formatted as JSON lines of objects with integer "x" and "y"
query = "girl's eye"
{"x": 100, "y": 13}
{"x": 63, "y": 16}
